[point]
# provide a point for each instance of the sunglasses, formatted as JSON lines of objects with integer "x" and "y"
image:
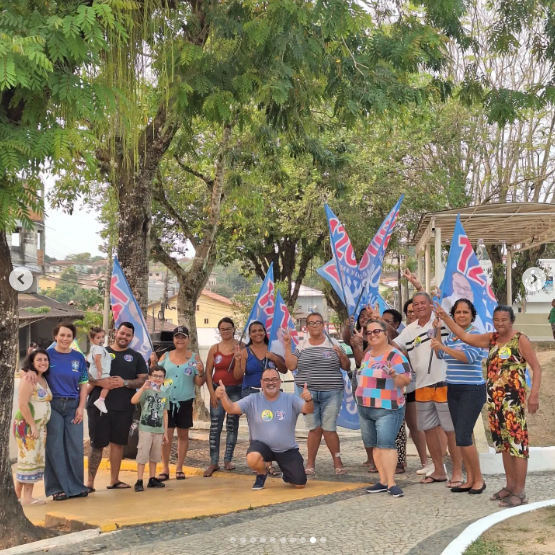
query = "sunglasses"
{"x": 375, "y": 332}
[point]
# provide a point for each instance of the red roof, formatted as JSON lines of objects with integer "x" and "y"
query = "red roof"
{"x": 158, "y": 325}
{"x": 216, "y": 297}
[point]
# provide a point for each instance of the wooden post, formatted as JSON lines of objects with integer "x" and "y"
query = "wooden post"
{"x": 509, "y": 276}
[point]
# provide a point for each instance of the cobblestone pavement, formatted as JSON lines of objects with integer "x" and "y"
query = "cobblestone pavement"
{"x": 422, "y": 522}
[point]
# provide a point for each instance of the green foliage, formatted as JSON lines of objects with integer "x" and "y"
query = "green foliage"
{"x": 38, "y": 309}
{"x": 90, "y": 319}
{"x": 70, "y": 289}
{"x": 48, "y": 51}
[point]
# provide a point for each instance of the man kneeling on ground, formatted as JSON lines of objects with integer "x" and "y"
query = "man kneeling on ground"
{"x": 272, "y": 416}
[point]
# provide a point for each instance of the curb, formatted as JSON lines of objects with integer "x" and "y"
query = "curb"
{"x": 476, "y": 529}
{"x": 50, "y": 543}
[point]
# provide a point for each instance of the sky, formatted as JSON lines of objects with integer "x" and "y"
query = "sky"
{"x": 73, "y": 234}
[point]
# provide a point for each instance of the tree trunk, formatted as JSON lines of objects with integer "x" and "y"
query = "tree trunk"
{"x": 15, "y": 528}
{"x": 133, "y": 183}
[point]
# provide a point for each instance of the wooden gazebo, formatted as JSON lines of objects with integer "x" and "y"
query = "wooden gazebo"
{"x": 519, "y": 226}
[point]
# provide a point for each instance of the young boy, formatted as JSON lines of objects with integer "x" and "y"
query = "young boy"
{"x": 100, "y": 364}
{"x": 152, "y": 426}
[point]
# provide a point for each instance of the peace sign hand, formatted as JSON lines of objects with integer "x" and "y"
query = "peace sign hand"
{"x": 357, "y": 339}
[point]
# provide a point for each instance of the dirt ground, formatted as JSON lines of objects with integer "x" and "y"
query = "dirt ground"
{"x": 532, "y": 533}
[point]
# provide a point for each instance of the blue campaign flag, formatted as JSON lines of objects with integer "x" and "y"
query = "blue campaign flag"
{"x": 126, "y": 309}
{"x": 282, "y": 323}
{"x": 465, "y": 279}
{"x": 342, "y": 271}
{"x": 263, "y": 308}
{"x": 372, "y": 261}
{"x": 348, "y": 414}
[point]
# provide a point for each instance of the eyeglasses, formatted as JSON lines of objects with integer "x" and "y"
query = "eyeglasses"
{"x": 270, "y": 380}
{"x": 226, "y": 329}
{"x": 314, "y": 323}
{"x": 157, "y": 376}
{"x": 375, "y": 332}
{"x": 410, "y": 312}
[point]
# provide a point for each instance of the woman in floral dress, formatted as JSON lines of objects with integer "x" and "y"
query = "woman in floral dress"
{"x": 509, "y": 353}
{"x": 30, "y": 427}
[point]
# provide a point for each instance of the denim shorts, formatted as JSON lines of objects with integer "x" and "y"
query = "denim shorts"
{"x": 327, "y": 405}
{"x": 379, "y": 427}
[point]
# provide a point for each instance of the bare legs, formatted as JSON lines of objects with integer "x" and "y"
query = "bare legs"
{"x": 456, "y": 458}
{"x": 516, "y": 469}
{"x": 418, "y": 437}
{"x": 313, "y": 444}
{"x": 95, "y": 456}
{"x": 182, "y": 448}
{"x": 471, "y": 460}
{"x": 434, "y": 446}
{"x": 386, "y": 462}
{"x": 116, "y": 454}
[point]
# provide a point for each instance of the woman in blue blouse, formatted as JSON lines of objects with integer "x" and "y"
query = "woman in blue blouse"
{"x": 466, "y": 391}
{"x": 252, "y": 361}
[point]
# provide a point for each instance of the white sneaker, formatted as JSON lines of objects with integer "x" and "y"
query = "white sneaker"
{"x": 429, "y": 467}
{"x": 430, "y": 472}
{"x": 100, "y": 405}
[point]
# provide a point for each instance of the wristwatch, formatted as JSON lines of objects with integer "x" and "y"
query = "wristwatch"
{"x": 125, "y": 383}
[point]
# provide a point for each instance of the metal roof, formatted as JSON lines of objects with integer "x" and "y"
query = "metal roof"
{"x": 56, "y": 309}
{"x": 527, "y": 224}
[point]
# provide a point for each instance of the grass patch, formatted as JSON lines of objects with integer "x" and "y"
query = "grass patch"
{"x": 485, "y": 547}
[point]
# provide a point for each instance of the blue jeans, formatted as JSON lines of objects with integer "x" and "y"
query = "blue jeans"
{"x": 64, "y": 450}
{"x": 379, "y": 427}
{"x": 327, "y": 405}
{"x": 249, "y": 391}
{"x": 217, "y": 416}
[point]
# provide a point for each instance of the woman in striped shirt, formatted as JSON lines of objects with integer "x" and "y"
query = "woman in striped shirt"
{"x": 319, "y": 360}
{"x": 466, "y": 391}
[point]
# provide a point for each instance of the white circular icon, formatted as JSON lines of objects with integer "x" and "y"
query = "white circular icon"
{"x": 21, "y": 279}
{"x": 533, "y": 280}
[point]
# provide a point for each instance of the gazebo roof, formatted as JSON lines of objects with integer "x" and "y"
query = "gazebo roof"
{"x": 526, "y": 224}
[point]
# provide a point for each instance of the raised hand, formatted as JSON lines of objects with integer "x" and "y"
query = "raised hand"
{"x": 440, "y": 312}
{"x": 412, "y": 279}
{"x": 305, "y": 394}
{"x": 286, "y": 339}
{"x": 220, "y": 390}
{"x": 357, "y": 338}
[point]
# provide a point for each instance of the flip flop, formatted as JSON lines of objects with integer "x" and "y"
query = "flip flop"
{"x": 119, "y": 485}
{"x": 90, "y": 490}
{"x": 433, "y": 480}
{"x": 274, "y": 472}
{"x": 165, "y": 477}
{"x": 309, "y": 471}
{"x": 34, "y": 502}
{"x": 178, "y": 476}
{"x": 59, "y": 496}
{"x": 340, "y": 471}
{"x": 454, "y": 483}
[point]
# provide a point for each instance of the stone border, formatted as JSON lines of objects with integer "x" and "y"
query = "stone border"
{"x": 476, "y": 529}
{"x": 50, "y": 543}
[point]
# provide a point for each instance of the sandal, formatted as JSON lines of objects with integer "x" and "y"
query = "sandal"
{"x": 163, "y": 477}
{"x": 339, "y": 471}
{"x": 372, "y": 468}
{"x": 274, "y": 472}
{"x": 59, "y": 496}
{"x": 523, "y": 500}
{"x": 454, "y": 484}
{"x": 498, "y": 497}
{"x": 180, "y": 475}
{"x": 119, "y": 485}
{"x": 310, "y": 471}
{"x": 400, "y": 469}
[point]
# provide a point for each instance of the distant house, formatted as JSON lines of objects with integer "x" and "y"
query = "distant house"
{"x": 38, "y": 315}
{"x": 210, "y": 309}
{"x": 310, "y": 300}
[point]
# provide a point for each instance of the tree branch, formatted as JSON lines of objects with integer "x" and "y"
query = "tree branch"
{"x": 188, "y": 169}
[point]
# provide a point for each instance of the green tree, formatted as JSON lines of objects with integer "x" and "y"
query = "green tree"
{"x": 70, "y": 289}
{"x": 46, "y": 50}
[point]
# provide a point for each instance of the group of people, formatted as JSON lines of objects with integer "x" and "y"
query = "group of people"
{"x": 425, "y": 374}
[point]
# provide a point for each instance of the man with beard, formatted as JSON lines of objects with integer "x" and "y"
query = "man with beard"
{"x": 127, "y": 374}
{"x": 272, "y": 416}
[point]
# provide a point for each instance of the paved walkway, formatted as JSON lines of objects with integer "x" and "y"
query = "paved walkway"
{"x": 347, "y": 522}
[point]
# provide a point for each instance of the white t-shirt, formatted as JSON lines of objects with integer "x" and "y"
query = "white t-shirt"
{"x": 105, "y": 361}
{"x": 414, "y": 340}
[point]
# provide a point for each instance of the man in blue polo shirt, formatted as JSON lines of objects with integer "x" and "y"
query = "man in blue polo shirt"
{"x": 272, "y": 416}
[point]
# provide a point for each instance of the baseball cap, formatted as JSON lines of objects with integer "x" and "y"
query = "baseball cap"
{"x": 181, "y": 330}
